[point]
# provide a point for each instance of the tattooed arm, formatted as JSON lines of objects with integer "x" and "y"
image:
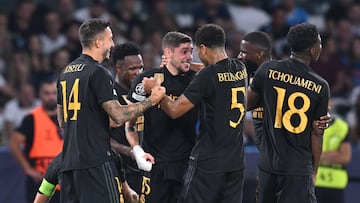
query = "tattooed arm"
{"x": 122, "y": 113}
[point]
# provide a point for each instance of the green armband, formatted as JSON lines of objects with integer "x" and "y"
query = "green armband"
{"x": 47, "y": 188}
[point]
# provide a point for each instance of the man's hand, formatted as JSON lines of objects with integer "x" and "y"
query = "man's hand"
{"x": 149, "y": 84}
{"x": 320, "y": 125}
{"x": 130, "y": 195}
{"x": 143, "y": 160}
{"x": 35, "y": 175}
{"x": 157, "y": 93}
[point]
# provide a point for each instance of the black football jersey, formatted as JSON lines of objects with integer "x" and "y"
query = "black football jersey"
{"x": 220, "y": 92}
{"x": 119, "y": 133}
{"x": 293, "y": 97}
{"x": 257, "y": 119}
{"x": 83, "y": 86}
{"x": 52, "y": 174}
{"x": 165, "y": 138}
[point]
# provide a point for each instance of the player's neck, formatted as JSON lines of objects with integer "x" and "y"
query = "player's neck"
{"x": 173, "y": 70}
{"x": 301, "y": 58}
{"x": 97, "y": 57}
{"x": 216, "y": 56}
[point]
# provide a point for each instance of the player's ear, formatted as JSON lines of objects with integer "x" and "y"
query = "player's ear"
{"x": 167, "y": 52}
{"x": 203, "y": 48}
{"x": 97, "y": 42}
{"x": 312, "y": 51}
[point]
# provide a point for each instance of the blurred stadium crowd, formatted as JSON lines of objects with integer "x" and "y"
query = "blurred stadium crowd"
{"x": 38, "y": 38}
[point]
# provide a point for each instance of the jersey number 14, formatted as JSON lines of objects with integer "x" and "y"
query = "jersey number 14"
{"x": 72, "y": 104}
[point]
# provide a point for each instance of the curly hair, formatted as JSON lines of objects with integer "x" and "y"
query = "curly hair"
{"x": 302, "y": 37}
{"x": 210, "y": 35}
{"x": 125, "y": 49}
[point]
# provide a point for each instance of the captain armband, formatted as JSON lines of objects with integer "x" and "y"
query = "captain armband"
{"x": 129, "y": 129}
{"x": 47, "y": 188}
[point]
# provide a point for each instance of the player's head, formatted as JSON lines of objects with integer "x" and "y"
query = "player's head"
{"x": 48, "y": 94}
{"x": 177, "y": 49}
{"x": 209, "y": 37}
{"x": 255, "y": 49}
{"x": 304, "y": 39}
{"x": 128, "y": 62}
{"x": 96, "y": 35}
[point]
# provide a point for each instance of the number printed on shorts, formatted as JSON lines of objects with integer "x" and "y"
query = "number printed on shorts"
{"x": 72, "y": 104}
{"x": 236, "y": 105}
{"x": 285, "y": 119}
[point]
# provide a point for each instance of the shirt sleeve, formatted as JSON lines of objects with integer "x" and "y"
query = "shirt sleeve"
{"x": 197, "y": 89}
{"x": 258, "y": 80}
{"x": 53, "y": 170}
{"x": 136, "y": 92}
{"x": 322, "y": 107}
{"x": 102, "y": 85}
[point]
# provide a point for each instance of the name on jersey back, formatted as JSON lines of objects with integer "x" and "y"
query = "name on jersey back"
{"x": 74, "y": 68}
{"x": 294, "y": 80}
{"x": 230, "y": 77}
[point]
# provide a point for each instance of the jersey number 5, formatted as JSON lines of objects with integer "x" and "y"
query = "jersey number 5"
{"x": 72, "y": 104}
{"x": 285, "y": 119}
{"x": 236, "y": 105}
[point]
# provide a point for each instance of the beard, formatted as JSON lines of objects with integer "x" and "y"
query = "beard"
{"x": 251, "y": 66}
{"x": 50, "y": 106}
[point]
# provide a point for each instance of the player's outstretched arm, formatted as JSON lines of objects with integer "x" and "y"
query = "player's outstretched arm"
{"x": 122, "y": 113}
{"x": 177, "y": 108}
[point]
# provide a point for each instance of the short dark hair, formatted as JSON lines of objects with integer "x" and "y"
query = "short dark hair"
{"x": 125, "y": 49}
{"x": 260, "y": 40}
{"x": 90, "y": 29}
{"x": 210, "y": 35}
{"x": 302, "y": 37}
{"x": 174, "y": 39}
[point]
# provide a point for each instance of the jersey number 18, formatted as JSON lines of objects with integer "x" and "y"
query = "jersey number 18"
{"x": 285, "y": 119}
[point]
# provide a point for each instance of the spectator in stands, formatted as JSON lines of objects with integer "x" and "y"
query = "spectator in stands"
{"x": 246, "y": 17}
{"x": 41, "y": 137}
{"x": 20, "y": 22}
{"x": 354, "y": 18}
{"x": 65, "y": 9}
{"x": 52, "y": 38}
{"x": 278, "y": 29}
{"x": 72, "y": 39}
{"x": 16, "y": 109}
{"x": 331, "y": 69}
{"x": 19, "y": 70}
{"x": 160, "y": 20}
{"x": 212, "y": 11}
{"x": 5, "y": 39}
{"x": 295, "y": 13}
{"x": 338, "y": 9}
{"x": 96, "y": 9}
{"x": 59, "y": 60}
